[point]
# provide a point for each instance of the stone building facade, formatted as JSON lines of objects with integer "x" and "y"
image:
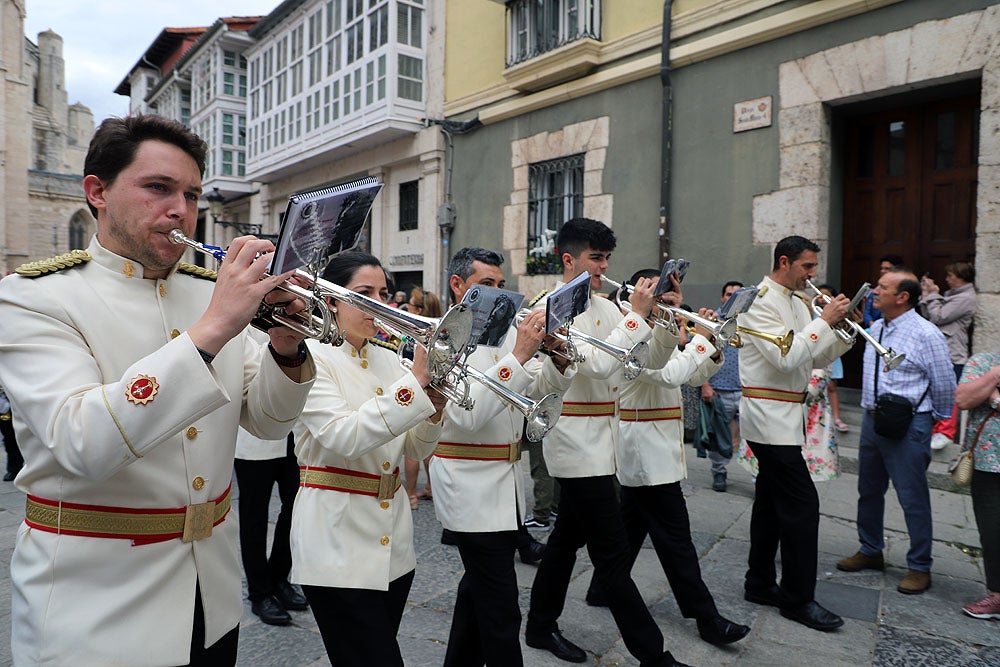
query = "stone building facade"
{"x": 43, "y": 143}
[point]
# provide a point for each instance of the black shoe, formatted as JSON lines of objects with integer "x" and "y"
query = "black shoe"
{"x": 290, "y": 596}
{"x": 448, "y": 537}
{"x": 557, "y": 645}
{"x": 595, "y": 598}
{"x": 719, "y": 630}
{"x": 812, "y": 615}
{"x": 769, "y": 596}
{"x": 9, "y": 477}
{"x": 719, "y": 481}
{"x": 531, "y": 554}
{"x": 271, "y": 611}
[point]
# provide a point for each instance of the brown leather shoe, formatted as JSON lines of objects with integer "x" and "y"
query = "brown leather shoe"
{"x": 915, "y": 582}
{"x": 860, "y": 561}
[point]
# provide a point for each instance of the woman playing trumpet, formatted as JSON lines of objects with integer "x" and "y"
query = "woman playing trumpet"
{"x": 352, "y": 532}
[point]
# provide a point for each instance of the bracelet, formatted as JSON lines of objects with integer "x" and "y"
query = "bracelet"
{"x": 206, "y": 357}
{"x": 289, "y": 362}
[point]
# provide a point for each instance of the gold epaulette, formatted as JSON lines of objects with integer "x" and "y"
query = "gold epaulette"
{"x": 762, "y": 291}
{"x": 538, "y": 297}
{"x": 392, "y": 344}
{"x": 197, "y": 271}
{"x": 53, "y": 264}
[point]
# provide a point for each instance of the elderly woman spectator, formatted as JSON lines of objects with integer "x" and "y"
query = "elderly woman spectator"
{"x": 977, "y": 392}
{"x": 952, "y": 312}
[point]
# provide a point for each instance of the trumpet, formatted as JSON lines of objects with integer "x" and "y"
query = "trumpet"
{"x": 633, "y": 359}
{"x": 722, "y": 332}
{"x": 540, "y": 416}
{"x": 783, "y": 342}
{"x": 848, "y": 329}
{"x": 445, "y": 338}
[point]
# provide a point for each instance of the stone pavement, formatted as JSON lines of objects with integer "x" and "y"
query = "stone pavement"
{"x": 882, "y": 628}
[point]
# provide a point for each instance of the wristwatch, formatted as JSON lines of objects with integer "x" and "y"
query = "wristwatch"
{"x": 995, "y": 403}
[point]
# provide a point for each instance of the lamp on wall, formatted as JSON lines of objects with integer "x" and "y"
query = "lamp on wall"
{"x": 216, "y": 200}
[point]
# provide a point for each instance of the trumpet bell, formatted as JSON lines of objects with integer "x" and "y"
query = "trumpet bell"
{"x": 893, "y": 360}
{"x": 635, "y": 360}
{"x": 542, "y": 417}
{"x": 447, "y": 345}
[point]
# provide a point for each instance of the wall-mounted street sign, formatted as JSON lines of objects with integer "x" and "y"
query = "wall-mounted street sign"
{"x": 752, "y": 114}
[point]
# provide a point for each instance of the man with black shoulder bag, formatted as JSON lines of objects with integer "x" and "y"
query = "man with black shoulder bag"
{"x": 900, "y": 408}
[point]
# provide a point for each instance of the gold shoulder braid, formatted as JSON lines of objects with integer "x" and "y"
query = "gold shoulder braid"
{"x": 538, "y": 297}
{"x": 197, "y": 271}
{"x": 53, "y": 264}
{"x": 389, "y": 345}
{"x": 762, "y": 291}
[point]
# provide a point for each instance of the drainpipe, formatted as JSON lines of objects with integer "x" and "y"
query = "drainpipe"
{"x": 666, "y": 135}
{"x": 446, "y": 212}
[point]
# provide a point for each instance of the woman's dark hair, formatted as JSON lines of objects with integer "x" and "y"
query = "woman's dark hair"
{"x": 117, "y": 140}
{"x": 963, "y": 271}
{"x": 342, "y": 267}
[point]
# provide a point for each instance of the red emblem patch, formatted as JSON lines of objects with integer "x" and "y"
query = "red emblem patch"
{"x": 504, "y": 373}
{"x": 814, "y": 337}
{"x": 700, "y": 349}
{"x": 631, "y": 324}
{"x": 142, "y": 389}
{"x": 404, "y": 395}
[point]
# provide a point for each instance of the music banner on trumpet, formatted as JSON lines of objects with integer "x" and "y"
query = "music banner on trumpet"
{"x": 319, "y": 224}
{"x": 493, "y": 311}
{"x": 567, "y": 302}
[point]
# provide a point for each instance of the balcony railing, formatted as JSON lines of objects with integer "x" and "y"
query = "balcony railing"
{"x": 539, "y": 26}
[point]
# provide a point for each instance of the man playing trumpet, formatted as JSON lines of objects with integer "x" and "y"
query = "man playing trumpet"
{"x": 479, "y": 493}
{"x": 772, "y": 419}
{"x": 129, "y": 374}
{"x": 580, "y": 454}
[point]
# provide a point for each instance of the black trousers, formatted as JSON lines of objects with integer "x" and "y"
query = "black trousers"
{"x": 986, "y": 505}
{"x": 486, "y": 623}
{"x": 589, "y": 514}
{"x": 256, "y": 479}
{"x": 359, "y": 625}
{"x": 661, "y": 512}
{"x": 14, "y": 459}
{"x": 220, "y": 654}
{"x": 786, "y": 513}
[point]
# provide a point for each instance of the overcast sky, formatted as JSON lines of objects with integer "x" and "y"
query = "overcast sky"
{"x": 103, "y": 39}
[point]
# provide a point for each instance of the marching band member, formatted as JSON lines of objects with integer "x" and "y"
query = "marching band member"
{"x": 651, "y": 463}
{"x": 128, "y": 374}
{"x": 580, "y": 453}
{"x": 772, "y": 419}
{"x": 479, "y": 493}
{"x": 352, "y": 532}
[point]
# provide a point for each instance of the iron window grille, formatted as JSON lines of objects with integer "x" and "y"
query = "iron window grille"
{"x": 537, "y": 26}
{"x": 555, "y": 195}
{"x": 409, "y": 201}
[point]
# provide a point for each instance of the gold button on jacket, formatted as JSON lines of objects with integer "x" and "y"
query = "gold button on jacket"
{"x": 198, "y": 483}
{"x": 191, "y": 433}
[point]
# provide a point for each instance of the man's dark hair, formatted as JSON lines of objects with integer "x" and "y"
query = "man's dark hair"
{"x": 909, "y": 285}
{"x": 963, "y": 271}
{"x": 117, "y": 140}
{"x": 461, "y": 263}
{"x": 792, "y": 247}
{"x": 578, "y": 234}
{"x": 731, "y": 283}
{"x": 828, "y": 287}
{"x": 895, "y": 260}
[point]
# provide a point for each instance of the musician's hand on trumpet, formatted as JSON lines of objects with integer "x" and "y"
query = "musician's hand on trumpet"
{"x": 835, "y": 310}
{"x": 642, "y": 298}
{"x": 242, "y": 284}
{"x": 530, "y": 334}
{"x": 419, "y": 370}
